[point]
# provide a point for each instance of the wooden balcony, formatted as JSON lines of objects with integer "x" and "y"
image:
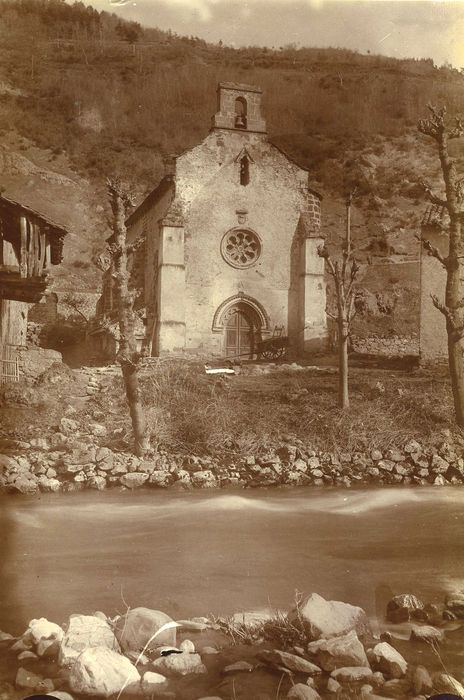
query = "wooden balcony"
{"x": 29, "y": 245}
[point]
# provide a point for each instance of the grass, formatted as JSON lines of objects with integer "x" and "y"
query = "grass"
{"x": 248, "y": 414}
{"x": 187, "y": 410}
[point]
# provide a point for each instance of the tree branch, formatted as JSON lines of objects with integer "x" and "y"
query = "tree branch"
{"x": 458, "y": 130}
{"x": 431, "y": 196}
{"x": 432, "y": 250}
{"x": 445, "y": 310}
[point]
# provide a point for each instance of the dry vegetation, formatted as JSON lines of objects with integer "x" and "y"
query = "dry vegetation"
{"x": 189, "y": 411}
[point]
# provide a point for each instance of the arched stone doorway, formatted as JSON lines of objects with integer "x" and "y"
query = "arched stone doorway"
{"x": 242, "y": 322}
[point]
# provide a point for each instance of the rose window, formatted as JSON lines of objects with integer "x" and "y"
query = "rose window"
{"x": 240, "y": 247}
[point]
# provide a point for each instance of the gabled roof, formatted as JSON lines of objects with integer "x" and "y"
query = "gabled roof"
{"x": 163, "y": 186}
{"x": 12, "y": 205}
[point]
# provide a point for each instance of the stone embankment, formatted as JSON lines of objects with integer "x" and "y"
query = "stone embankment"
{"x": 319, "y": 649}
{"x": 70, "y": 461}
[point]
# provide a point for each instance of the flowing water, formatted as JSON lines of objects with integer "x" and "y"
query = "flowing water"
{"x": 220, "y": 552}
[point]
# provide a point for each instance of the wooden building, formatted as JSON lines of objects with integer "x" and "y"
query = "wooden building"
{"x": 30, "y": 244}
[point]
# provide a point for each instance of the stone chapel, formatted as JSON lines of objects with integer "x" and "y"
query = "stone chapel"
{"x": 230, "y": 239}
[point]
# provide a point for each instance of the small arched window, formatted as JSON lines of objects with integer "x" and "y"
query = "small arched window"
{"x": 244, "y": 171}
{"x": 240, "y": 113}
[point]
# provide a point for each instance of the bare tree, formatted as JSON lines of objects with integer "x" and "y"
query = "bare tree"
{"x": 128, "y": 355}
{"x": 452, "y": 307}
{"x": 344, "y": 272}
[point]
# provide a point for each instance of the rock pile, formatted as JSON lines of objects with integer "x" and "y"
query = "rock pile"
{"x": 144, "y": 653}
{"x": 68, "y": 461}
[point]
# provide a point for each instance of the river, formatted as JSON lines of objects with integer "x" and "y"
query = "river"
{"x": 220, "y": 552}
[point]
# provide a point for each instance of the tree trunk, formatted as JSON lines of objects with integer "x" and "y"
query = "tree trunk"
{"x": 343, "y": 395}
{"x": 456, "y": 370}
{"x": 453, "y": 295}
{"x": 128, "y": 355}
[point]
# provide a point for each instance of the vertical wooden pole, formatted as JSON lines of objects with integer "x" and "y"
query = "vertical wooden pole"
{"x": 23, "y": 247}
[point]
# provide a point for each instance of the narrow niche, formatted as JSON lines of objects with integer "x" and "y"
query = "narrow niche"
{"x": 244, "y": 171}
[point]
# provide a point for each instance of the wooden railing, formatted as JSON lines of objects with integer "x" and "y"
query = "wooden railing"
{"x": 9, "y": 364}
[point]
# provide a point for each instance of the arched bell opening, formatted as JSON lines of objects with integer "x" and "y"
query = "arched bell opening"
{"x": 240, "y": 113}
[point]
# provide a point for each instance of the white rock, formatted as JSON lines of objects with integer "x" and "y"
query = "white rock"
{"x": 84, "y": 631}
{"x": 27, "y": 679}
{"x": 43, "y": 629}
{"x": 329, "y": 618}
{"x": 291, "y": 661}
{"x": 153, "y": 682}
{"x": 5, "y": 636}
{"x": 27, "y": 655}
{"x": 179, "y": 664}
{"x": 187, "y": 646}
{"x": 444, "y": 683}
{"x": 427, "y": 634}
{"x": 333, "y": 686}
{"x": 350, "y": 674}
{"x": 101, "y": 671}
{"x": 346, "y": 650}
{"x": 300, "y": 691}
{"x": 135, "y": 629}
{"x": 389, "y": 661}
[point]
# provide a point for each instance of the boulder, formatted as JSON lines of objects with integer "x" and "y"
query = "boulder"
{"x": 27, "y": 655}
{"x": 300, "y": 691}
{"x": 329, "y": 618}
{"x": 68, "y": 426}
{"x": 134, "y": 480}
{"x": 187, "y": 646}
{"x": 421, "y": 681}
{"x": 397, "y": 688}
{"x": 28, "y": 680}
{"x": 293, "y": 662}
{"x": 137, "y": 627}
{"x": 400, "y": 607}
{"x": 41, "y": 629}
{"x": 161, "y": 478}
{"x": 455, "y": 603}
{"x": 101, "y": 671}
{"x": 152, "y": 683}
{"x": 444, "y": 683}
{"x": 204, "y": 479}
{"x": 426, "y": 634}
{"x": 192, "y": 625}
{"x": 333, "y": 653}
{"x": 84, "y": 631}
{"x": 26, "y": 485}
{"x": 237, "y": 667}
{"x": 389, "y": 661}
{"x": 179, "y": 664}
{"x": 352, "y": 674}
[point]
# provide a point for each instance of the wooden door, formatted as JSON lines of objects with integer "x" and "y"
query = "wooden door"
{"x": 238, "y": 334}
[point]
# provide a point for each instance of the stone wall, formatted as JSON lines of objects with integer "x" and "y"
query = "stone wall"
{"x": 433, "y": 337}
{"x": 390, "y": 347}
{"x": 72, "y": 459}
{"x": 34, "y": 360}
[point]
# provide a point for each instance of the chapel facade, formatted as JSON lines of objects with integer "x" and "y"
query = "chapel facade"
{"x": 230, "y": 238}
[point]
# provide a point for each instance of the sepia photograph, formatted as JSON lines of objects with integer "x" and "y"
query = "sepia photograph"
{"x": 232, "y": 349}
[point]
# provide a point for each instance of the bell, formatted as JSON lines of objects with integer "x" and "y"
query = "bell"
{"x": 239, "y": 121}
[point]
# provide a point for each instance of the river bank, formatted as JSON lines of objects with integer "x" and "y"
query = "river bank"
{"x": 317, "y": 649}
{"x": 65, "y": 461}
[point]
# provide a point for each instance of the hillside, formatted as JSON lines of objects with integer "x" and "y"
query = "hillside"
{"x": 84, "y": 95}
